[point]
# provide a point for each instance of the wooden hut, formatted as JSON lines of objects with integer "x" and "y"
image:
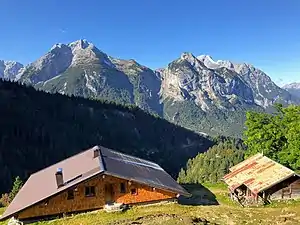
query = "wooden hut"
{"x": 90, "y": 180}
{"x": 259, "y": 179}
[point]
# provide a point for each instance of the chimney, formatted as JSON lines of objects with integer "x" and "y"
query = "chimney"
{"x": 59, "y": 178}
{"x": 96, "y": 151}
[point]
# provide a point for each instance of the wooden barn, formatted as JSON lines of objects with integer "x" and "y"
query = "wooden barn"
{"x": 259, "y": 179}
{"x": 89, "y": 181}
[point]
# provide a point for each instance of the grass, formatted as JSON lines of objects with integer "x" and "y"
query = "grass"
{"x": 2, "y": 209}
{"x": 226, "y": 212}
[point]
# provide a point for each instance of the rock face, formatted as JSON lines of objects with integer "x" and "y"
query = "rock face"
{"x": 265, "y": 91}
{"x": 213, "y": 96}
{"x": 195, "y": 92}
{"x": 187, "y": 78}
{"x": 10, "y": 69}
{"x": 293, "y": 88}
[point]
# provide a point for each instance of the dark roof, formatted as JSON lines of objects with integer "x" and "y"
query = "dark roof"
{"x": 258, "y": 173}
{"x": 82, "y": 166}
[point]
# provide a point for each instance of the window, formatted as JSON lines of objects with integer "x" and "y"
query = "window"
{"x": 70, "y": 194}
{"x": 44, "y": 203}
{"x": 90, "y": 191}
{"x": 122, "y": 188}
{"x": 133, "y": 191}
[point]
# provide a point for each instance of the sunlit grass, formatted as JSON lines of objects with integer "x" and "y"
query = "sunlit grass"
{"x": 1, "y": 212}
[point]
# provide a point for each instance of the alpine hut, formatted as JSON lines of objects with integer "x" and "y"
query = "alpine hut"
{"x": 90, "y": 180}
{"x": 259, "y": 179}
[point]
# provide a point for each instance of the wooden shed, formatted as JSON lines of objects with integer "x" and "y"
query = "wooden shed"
{"x": 259, "y": 179}
{"x": 90, "y": 180}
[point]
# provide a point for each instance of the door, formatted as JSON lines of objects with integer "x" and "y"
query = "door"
{"x": 109, "y": 193}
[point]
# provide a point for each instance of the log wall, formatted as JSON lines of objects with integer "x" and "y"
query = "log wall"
{"x": 289, "y": 189}
{"x": 59, "y": 204}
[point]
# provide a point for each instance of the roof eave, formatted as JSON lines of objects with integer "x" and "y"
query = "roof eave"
{"x": 277, "y": 182}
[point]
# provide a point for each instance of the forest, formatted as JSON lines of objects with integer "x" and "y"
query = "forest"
{"x": 276, "y": 135}
{"x": 211, "y": 166}
{"x": 38, "y": 129}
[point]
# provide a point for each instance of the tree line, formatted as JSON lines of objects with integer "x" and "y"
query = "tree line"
{"x": 211, "y": 166}
{"x": 276, "y": 135}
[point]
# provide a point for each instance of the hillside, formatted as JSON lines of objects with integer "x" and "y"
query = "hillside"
{"x": 38, "y": 129}
{"x": 197, "y": 93}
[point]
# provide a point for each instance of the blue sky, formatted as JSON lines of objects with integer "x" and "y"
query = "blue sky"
{"x": 265, "y": 33}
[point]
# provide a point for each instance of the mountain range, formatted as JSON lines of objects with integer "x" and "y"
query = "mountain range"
{"x": 293, "y": 88}
{"x": 198, "y": 93}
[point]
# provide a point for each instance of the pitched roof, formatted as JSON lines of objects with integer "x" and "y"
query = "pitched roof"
{"x": 258, "y": 173}
{"x": 83, "y": 166}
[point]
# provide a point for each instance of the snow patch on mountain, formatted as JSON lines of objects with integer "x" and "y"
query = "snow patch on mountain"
{"x": 208, "y": 61}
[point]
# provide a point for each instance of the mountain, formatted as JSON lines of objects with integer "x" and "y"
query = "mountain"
{"x": 198, "y": 93}
{"x": 293, "y": 88}
{"x": 10, "y": 69}
{"x": 212, "y": 97}
{"x": 81, "y": 69}
{"x": 265, "y": 91}
{"x": 38, "y": 129}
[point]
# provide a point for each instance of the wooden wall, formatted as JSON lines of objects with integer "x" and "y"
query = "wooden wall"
{"x": 59, "y": 204}
{"x": 289, "y": 189}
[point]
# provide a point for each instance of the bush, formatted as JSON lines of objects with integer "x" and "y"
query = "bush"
{"x": 4, "y": 200}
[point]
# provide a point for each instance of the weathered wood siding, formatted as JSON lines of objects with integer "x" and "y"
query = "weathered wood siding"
{"x": 59, "y": 204}
{"x": 289, "y": 189}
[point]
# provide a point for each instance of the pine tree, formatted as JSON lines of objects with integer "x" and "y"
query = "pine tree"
{"x": 16, "y": 187}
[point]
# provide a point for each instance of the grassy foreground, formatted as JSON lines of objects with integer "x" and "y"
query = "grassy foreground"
{"x": 218, "y": 210}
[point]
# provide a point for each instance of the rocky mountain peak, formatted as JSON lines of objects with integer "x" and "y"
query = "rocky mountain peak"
{"x": 57, "y": 46}
{"x": 293, "y": 88}
{"x": 292, "y": 85}
{"x": 187, "y": 56}
{"x": 10, "y": 69}
{"x": 208, "y": 61}
{"x": 81, "y": 44}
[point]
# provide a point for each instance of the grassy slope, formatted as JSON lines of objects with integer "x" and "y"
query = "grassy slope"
{"x": 226, "y": 213}
{"x": 1, "y": 212}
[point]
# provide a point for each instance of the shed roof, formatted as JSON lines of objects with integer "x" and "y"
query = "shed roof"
{"x": 258, "y": 173}
{"x": 42, "y": 184}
